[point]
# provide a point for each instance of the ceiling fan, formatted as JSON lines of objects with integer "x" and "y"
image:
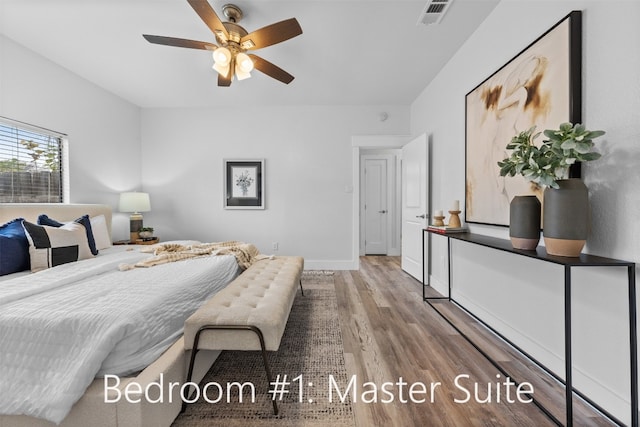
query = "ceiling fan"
{"x": 233, "y": 41}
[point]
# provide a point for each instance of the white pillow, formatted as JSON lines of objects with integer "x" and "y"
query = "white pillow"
{"x": 52, "y": 246}
{"x": 100, "y": 232}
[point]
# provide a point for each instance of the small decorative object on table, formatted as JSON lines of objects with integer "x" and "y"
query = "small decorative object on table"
{"x": 145, "y": 232}
{"x": 438, "y": 219}
{"x": 454, "y": 219}
{"x": 447, "y": 229}
{"x": 524, "y": 222}
{"x": 566, "y": 202}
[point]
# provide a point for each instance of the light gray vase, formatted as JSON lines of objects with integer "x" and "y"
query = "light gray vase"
{"x": 566, "y": 218}
{"x": 524, "y": 222}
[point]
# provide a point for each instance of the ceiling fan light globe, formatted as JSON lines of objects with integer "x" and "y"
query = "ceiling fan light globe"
{"x": 223, "y": 70}
{"x": 240, "y": 74}
{"x": 244, "y": 63}
{"x": 222, "y": 56}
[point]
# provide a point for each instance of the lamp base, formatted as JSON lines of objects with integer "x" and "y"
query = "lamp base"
{"x": 135, "y": 224}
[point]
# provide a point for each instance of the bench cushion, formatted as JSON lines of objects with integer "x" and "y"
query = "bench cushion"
{"x": 261, "y": 296}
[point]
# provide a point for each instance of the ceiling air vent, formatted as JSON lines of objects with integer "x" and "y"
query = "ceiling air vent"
{"x": 433, "y": 11}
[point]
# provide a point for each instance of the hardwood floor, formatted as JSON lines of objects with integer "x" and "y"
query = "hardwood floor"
{"x": 390, "y": 333}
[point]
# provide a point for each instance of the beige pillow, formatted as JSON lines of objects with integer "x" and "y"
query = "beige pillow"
{"x": 52, "y": 246}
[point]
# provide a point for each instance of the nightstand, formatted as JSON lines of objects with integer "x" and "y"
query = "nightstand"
{"x": 137, "y": 242}
{"x": 146, "y": 242}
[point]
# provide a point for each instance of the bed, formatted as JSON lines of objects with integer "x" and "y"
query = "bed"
{"x": 64, "y": 328}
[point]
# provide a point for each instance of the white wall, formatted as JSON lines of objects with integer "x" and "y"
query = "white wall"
{"x": 611, "y": 101}
{"x": 309, "y": 177}
{"x": 104, "y": 130}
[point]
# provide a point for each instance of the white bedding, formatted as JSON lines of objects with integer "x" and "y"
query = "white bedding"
{"x": 61, "y": 327}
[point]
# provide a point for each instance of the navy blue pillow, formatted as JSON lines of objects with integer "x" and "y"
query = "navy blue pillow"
{"x": 14, "y": 248}
{"x": 84, "y": 220}
{"x": 45, "y": 220}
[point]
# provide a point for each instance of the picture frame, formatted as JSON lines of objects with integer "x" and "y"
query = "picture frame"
{"x": 244, "y": 184}
{"x": 540, "y": 86}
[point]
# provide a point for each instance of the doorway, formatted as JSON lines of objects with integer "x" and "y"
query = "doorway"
{"x": 375, "y": 145}
{"x": 379, "y": 202}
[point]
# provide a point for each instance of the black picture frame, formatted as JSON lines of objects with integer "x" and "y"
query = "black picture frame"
{"x": 244, "y": 184}
{"x": 541, "y": 86}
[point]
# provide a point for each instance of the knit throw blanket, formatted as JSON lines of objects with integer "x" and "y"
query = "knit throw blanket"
{"x": 245, "y": 253}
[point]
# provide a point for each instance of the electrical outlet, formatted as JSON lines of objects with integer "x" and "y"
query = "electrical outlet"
{"x": 274, "y": 246}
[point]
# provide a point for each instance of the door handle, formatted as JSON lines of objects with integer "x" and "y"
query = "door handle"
{"x": 423, "y": 216}
{"x": 382, "y": 211}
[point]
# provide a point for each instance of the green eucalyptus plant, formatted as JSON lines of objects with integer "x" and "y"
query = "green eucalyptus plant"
{"x": 551, "y": 161}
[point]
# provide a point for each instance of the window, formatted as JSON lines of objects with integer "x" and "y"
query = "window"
{"x": 31, "y": 164}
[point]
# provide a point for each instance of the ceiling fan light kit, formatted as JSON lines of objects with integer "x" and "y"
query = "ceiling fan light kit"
{"x": 222, "y": 56}
{"x": 233, "y": 41}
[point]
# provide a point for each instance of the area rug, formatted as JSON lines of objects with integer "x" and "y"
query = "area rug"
{"x": 310, "y": 354}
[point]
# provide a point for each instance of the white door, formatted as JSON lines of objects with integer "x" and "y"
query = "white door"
{"x": 415, "y": 209}
{"x": 375, "y": 206}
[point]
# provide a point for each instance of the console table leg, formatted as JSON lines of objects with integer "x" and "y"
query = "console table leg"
{"x": 568, "y": 380}
{"x": 449, "y": 266}
{"x": 633, "y": 343}
{"x": 423, "y": 262}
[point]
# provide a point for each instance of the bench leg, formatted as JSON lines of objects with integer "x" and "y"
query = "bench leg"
{"x": 263, "y": 350}
{"x": 301, "y": 290}
{"x": 192, "y": 361}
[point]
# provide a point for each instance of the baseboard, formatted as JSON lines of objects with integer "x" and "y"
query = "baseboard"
{"x": 439, "y": 286}
{"x": 613, "y": 401}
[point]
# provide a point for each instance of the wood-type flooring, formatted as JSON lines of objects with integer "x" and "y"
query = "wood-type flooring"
{"x": 391, "y": 336}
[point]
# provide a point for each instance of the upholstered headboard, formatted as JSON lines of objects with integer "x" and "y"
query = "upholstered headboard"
{"x": 57, "y": 211}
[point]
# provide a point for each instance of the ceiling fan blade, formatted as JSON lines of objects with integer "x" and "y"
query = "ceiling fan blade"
{"x": 224, "y": 81}
{"x": 209, "y": 16}
{"x": 270, "y": 69}
{"x": 271, "y": 34}
{"x": 173, "y": 41}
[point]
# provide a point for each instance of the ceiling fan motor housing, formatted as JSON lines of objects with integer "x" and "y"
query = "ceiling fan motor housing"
{"x": 236, "y": 32}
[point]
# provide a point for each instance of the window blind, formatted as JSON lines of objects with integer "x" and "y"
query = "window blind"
{"x": 31, "y": 164}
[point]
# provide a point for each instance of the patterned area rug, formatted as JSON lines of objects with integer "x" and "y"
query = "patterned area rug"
{"x": 310, "y": 352}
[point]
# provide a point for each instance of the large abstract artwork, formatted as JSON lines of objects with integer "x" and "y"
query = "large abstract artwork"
{"x": 540, "y": 86}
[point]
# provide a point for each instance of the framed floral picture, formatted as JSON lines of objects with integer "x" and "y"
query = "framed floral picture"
{"x": 244, "y": 184}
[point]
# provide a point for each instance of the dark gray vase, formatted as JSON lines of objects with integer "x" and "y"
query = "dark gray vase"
{"x": 524, "y": 222}
{"x": 566, "y": 218}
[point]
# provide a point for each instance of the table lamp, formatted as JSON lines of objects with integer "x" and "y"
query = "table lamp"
{"x": 134, "y": 202}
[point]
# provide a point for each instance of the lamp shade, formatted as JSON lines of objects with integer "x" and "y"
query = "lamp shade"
{"x": 134, "y": 202}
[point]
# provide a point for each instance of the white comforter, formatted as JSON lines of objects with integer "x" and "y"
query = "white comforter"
{"x": 61, "y": 327}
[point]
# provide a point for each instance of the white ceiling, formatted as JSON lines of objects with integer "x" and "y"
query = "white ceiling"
{"x": 351, "y": 52}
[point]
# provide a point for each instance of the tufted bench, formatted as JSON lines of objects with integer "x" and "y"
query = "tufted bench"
{"x": 249, "y": 314}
